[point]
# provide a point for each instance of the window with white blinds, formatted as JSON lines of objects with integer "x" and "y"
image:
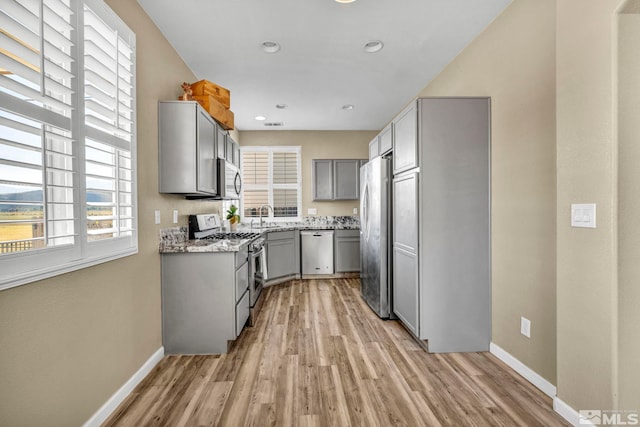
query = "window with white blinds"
{"x": 67, "y": 138}
{"x": 271, "y": 176}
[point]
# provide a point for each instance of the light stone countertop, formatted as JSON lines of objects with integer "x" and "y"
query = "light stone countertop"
{"x": 174, "y": 240}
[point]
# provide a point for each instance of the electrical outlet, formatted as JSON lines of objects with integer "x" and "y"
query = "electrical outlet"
{"x": 175, "y": 216}
{"x": 525, "y": 327}
{"x": 312, "y": 211}
{"x": 156, "y": 216}
{"x": 355, "y": 211}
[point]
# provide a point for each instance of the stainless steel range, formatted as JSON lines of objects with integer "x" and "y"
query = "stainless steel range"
{"x": 207, "y": 226}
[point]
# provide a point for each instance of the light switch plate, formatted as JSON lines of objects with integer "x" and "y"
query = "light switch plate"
{"x": 355, "y": 211}
{"x": 525, "y": 327}
{"x": 156, "y": 216}
{"x": 175, "y": 216}
{"x": 583, "y": 215}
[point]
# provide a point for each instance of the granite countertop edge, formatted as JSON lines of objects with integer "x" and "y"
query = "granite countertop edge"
{"x": 206, "y": 246}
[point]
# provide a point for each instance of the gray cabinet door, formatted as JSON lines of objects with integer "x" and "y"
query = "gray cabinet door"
{"x": 322, "y": 179}
{"x": 347, "y": 251}
{"x": 405, "y": 140}
{"x": 405, "y": 211}
{"x": 346, "y": 179}
{"x": 386, "y": 140}
{"x": 221, "y": 140}
{"x": 405, "y": 288}
{"x": 206, "y": 152}
{"x": 228, "y": 148}
{"x": 242, "y": 280}
{"x": 177, "y": 135}
{"x": 281, "y": 258}
{"x": 374, "y": 148}
{"x": 405, "y": 249}
{"x": 236, "y": 154}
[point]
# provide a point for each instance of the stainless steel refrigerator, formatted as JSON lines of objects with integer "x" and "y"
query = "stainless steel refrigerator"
{"x": 375, "y": 235}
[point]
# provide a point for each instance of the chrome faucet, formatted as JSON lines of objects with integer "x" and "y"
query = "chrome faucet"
{"x": 268, "y": 207}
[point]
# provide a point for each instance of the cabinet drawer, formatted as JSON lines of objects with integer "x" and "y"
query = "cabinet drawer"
{"x": 347, "y": 233}
{"x": 242, "y": 313}
{"x": 241, "y": 256}
{"x": 242, "y": 280}
{"x": 281, "y": 235}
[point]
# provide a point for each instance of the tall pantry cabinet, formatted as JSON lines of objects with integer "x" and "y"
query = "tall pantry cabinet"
{"x": 441, "y": 230}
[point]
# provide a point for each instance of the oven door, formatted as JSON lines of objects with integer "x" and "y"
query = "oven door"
{"x": 256, "y": 275}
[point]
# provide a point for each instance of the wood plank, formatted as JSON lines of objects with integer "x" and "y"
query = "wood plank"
{"x": 317, "y": 355}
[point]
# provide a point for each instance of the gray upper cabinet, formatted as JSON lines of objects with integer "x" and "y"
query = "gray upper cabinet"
{"x": 187, "y": 149}
{"x": 405, "y": 140}
{"x": 336, "y": 179}
{"x": 221, "y": 141}
{"x": 236, "y": 154}
{"x": 374, "y": 148}
{"x": 385, "y": 140}
{"x": 322, "y": 179}
{"x": 346, "y": 179}
{"x": 229, "y": 148}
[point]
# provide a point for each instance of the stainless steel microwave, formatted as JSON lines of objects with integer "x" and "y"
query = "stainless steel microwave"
{"x": 229, "y": 180}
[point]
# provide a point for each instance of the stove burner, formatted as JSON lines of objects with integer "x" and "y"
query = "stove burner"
{"x": 222, "y": 236}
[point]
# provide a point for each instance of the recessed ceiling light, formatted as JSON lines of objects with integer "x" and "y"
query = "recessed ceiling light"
{"x": 348, "y": 107}
{"x": 261, "y": 118}
{"x": 373, "y": 46}
{"x": 345, "y": 1}
{"x": 281, "y": 106}
{"x": 270, "y": 47}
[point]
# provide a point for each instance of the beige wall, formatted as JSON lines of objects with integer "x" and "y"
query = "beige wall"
{"x": 513, "y": 62}
{"x": 317, "y": 145}
{"x": 586, "y": 159}
{"x": 68, "y": 343}
{"x": 629, "y": 206}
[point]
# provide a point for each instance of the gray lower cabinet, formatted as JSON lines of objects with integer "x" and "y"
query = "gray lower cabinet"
{"x": 283, "y": 254}
{"x": 347, "y": 251}
{"x": 405, "y": 288}
{"x": 205, "y": 301}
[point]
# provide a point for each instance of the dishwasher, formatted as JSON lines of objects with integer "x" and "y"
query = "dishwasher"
{"x": 317, "y": 252}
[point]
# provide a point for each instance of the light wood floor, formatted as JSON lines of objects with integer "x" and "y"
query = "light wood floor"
{"x": 318, "y": 356}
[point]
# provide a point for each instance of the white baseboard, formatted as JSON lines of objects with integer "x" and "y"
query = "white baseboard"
{"x": 118, "y": 397}
{"x": 534, "y": 378}
{"x": 569, "y": 414}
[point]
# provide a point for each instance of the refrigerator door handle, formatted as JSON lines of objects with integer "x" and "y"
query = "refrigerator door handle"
{"x": 364, "y": 211}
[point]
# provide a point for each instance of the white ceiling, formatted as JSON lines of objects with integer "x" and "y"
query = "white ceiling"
{"x": 321, "y": 65}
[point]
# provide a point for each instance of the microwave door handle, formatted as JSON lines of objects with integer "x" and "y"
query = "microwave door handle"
{"x": 237, "y": 183}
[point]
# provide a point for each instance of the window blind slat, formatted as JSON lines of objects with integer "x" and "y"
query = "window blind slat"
{"x": 21, "y": 33}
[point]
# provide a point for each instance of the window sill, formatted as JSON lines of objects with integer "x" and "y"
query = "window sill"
{"x": 35, "y": 275}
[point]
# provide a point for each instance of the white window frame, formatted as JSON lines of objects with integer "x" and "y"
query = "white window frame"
{"x": 20, "y": 268}
{"x": 270, "y": 185}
